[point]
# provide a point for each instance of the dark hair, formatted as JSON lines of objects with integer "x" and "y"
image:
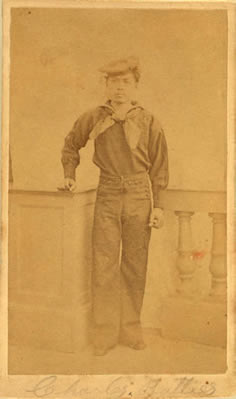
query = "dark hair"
{"x": 135, "y": 71}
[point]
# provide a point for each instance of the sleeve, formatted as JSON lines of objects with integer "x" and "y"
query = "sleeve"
{"x": 74, "y": 141}
{"x": 158, "y": 155}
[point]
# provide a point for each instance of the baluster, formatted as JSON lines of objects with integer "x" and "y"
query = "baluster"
{"x": 218, "y": 267}
{"x": 185, "y": 263}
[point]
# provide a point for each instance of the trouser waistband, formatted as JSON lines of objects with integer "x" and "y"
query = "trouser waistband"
{"x": 133, "y": 176}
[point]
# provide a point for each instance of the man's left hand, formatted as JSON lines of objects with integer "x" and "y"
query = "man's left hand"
{"x": 156, "y": 218}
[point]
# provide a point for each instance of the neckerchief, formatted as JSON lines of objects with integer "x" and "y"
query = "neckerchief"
{"x": 131, "y": 127}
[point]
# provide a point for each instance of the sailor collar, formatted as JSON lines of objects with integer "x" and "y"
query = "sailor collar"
{"x": 131, "y": 128}
{"x": 134, "y": 106}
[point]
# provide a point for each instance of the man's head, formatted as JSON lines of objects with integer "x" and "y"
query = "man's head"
{"x": 122, "y": 78}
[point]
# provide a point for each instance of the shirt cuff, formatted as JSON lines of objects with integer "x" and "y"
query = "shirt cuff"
{"x": 156, "y": 197}
{"x": 69, "y": 172}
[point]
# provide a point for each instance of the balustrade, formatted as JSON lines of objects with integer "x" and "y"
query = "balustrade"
{"x": 185, "y": 204}
{"x": 65, "y": 266}
{"x": 185, "y": 260}
{"x": 218, "y": 267}
{"x": 184, "y": 263}
{"x": 191, "y": 305}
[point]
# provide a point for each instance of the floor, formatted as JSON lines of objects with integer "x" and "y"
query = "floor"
{"x": 160, "y": 357}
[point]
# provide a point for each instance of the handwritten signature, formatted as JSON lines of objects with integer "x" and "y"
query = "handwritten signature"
{"x": 124, "y": 387}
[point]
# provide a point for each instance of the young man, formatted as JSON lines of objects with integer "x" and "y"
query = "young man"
{"x": 131, "y": 152}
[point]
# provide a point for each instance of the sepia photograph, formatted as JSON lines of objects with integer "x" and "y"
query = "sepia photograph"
{"x": 118, "y": 177}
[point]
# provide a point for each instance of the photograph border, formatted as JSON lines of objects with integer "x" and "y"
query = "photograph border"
{"x": 120, "y": 386}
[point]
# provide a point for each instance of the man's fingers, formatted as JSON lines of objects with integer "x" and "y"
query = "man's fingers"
{"x": 156, "y": 218}
{"x": 151, "y": 221}
{"x": 156, "y": 223}
{"x": 70, "y": 184}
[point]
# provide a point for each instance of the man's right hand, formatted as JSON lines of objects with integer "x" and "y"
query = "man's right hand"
{"x": 69, "y": 184}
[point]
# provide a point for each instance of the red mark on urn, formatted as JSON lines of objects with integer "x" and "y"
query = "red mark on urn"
{"x": 198, "y": 254}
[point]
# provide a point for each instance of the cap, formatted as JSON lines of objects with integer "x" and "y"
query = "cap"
{"x": 121, "y": 66}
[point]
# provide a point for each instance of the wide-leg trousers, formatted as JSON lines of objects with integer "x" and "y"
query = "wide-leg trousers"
{"x": 121, "y": 236}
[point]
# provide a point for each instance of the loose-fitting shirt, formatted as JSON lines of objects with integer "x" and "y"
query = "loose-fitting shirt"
{"x": 121, "y": 146}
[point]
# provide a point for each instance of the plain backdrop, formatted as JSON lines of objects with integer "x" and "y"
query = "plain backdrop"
{"x": 55, "y": 56}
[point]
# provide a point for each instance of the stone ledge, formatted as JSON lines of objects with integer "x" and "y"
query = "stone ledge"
{"x": 201, "y": 321}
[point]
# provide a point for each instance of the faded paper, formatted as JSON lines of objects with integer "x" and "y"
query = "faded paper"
{"x": 52, "y": 53}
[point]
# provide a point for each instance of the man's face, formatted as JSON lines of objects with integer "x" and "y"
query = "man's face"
{"x": 121, "y": 88}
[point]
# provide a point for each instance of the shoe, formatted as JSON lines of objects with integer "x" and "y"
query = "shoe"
{"x": 101, "y": 351}
{"x": 139, "y": 345}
